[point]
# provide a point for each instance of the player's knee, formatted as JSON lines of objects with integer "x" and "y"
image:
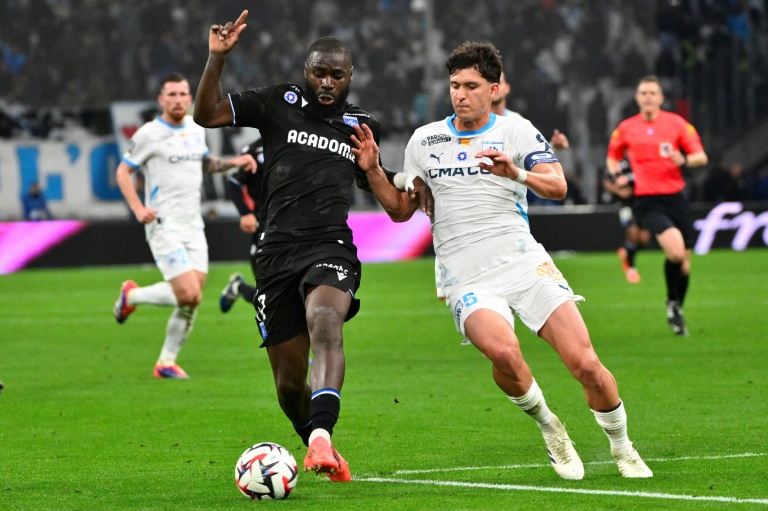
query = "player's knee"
{"x": 325, "y": 323}
{"x": 588, "y": 371}
{"x": 506, "y": 357}
{"x": 189, "y": 297}
{"x": 289, "y": 390}
{"x": 676, "y": 256}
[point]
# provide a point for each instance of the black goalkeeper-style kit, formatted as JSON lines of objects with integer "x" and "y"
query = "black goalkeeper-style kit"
{"x": 308, "y": 172}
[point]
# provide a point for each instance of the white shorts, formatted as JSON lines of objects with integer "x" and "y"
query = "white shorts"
{"x": 178, "y": 251}
{"x": 529, "y": 286}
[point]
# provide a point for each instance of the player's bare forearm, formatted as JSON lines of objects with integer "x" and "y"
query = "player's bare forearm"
{"x": 612, "y": 165}
{"x": 696, "y": 159}
{"x": 127, "y": 188}
{"x": 212, "y": 110}
{"x": 547, "y": 181}
{"x": 125, "y": 182}
{"x": 213, "y": 164}
{"x": 398, "y": 205}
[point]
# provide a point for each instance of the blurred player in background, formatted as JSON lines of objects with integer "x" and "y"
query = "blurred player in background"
{"x": 479, "y": 166}
{"x": 171, "y": 151}
{"x": 635, "y": 237}
{"x": 307, "y": 266}
{"x": 499, "y": 107}
{"x": 654, "y": 141}
{"x": 244, "y": 188}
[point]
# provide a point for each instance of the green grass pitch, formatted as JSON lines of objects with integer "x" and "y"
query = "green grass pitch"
{"x": 84, "y": 425}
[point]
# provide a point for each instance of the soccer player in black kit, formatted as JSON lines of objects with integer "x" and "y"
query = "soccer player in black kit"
{"x": 244, "y": 189}
{"x": 307, "y": 266}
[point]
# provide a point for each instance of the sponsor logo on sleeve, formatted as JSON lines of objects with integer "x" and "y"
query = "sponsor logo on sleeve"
{"x": 291, "y": 97}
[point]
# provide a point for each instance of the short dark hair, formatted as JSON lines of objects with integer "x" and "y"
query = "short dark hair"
{"x": 483, "y": 57}
{"x": 173, "y": 78}
{"x": 329, "y": 44}
{"x": 650, "y": 79}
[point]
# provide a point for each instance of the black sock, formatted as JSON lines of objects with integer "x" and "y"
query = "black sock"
{"x": 631, "y": 249}
{"x": 304, "y": 431}
{"x": 247, "y": 292}
{"x": 324, "y": 409}
{"x": 672, "y": 274}
{"x": 682, "y": 287}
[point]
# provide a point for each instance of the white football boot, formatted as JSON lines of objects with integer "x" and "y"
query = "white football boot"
{"x": 631, "y": 464}
{"x": 563, "y": 456}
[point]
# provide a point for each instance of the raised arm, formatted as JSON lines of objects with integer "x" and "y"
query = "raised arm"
{"x": 212, "y": 110}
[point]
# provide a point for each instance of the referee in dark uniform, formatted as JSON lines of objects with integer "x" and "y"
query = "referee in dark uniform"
{"x": 307, "y": 266}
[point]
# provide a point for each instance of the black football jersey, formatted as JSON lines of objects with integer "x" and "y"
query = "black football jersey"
{"x": 308, "y": 168}
{"x": 251, "y": 181}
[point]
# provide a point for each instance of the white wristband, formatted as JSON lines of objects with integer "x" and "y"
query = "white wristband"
{"x": 399, "y": 181}
{"x": 521, "y": 176}
{"x": 403, "y": 182}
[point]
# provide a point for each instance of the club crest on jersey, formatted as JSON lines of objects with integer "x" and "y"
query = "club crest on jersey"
{"x": 350, "y": 120}
{"x": 462, "y": 156}
{"x": 499, "y": 146}
{"x": 291, "y": 97}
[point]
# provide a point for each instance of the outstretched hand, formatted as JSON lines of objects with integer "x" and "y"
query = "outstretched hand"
{"x": 245, "y": 162}
{"x": 221, "y": 39}
{"x": 366, "y": 149}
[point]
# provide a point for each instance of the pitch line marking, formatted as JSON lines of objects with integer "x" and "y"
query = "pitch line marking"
{"x": 649, "y": 495}
{"x": 542, "y": 465}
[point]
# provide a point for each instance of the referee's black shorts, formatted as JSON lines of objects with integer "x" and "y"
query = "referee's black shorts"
{"x": 657, "y": 213}
{"x": 285, "y": 274}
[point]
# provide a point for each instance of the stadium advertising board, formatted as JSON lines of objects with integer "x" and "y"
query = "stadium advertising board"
{"x": 78, "y": 179}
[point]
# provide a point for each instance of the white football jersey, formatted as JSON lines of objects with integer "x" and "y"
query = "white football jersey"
{"x": 480, "y": 220}
{"x": 171, "y": 159}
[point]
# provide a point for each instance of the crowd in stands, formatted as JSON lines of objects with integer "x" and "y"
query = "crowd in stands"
{"x": 573, "y": 64}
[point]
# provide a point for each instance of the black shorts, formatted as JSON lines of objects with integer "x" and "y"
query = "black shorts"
{"x": 285, "y": 275}
{"x": 657, "y": 213}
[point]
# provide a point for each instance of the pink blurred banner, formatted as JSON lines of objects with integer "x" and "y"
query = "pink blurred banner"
{"x": 21, "y": 242}
{"x": 379, "y": 239}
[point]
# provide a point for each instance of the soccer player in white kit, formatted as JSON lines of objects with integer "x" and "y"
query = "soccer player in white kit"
{"x": 477, "y": 165}
{"x": 172, "y": 153}
{"x": 499, "y": 107}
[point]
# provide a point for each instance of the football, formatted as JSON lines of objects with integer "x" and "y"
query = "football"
{"x": 266, "y": 471}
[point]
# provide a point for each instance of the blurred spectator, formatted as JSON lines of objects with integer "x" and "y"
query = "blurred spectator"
{"x": 761, "y": 183}
{"x": 728, "y": 183}
{"x": 35, "y": 204}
